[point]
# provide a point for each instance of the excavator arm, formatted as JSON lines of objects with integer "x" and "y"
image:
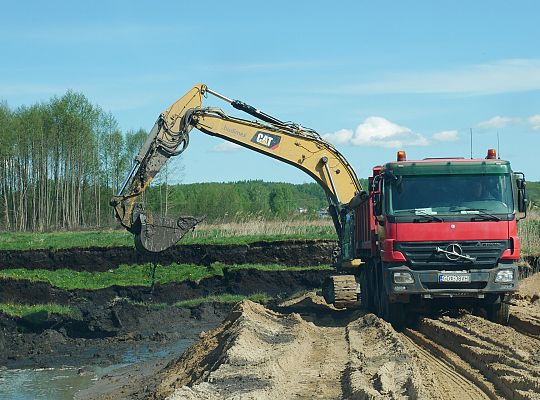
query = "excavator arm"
{"x": 287, "y": 142}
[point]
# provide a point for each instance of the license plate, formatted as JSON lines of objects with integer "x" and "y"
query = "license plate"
{"x": 454, "y": 278}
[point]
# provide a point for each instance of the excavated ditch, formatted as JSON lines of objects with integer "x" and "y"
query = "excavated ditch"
{"x": 319, "y": 349}
{"x": 291, "y": 252}
{"x": 236, "y": 281}
{"x": 125, "y": 314}
{"x": 119, "y": 318}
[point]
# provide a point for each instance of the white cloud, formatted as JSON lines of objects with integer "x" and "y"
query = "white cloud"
{"x": 446, "y": 136}
{"x": 379, "y": 132}
{"x": 534, "y": 121}
{"x": 496, "y": 122}
{"x": 502, "y": 76}
{"x": 225, "y": 147}
{"x": 342, "y": 136}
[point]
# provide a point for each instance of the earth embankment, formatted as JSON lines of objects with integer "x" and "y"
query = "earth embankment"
{"x": 290, "y": 252}
{"x": 306, "y": 349}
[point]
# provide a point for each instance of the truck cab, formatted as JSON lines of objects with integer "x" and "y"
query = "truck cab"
{"x": 441, "y": 231}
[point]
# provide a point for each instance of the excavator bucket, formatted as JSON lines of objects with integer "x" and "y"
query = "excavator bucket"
{"x": 154, "y": 234}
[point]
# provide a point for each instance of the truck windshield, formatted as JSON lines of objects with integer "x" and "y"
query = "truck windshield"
{"x": 450, "y": 194}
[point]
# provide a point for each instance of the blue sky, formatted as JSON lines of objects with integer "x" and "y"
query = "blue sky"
{"x": 370, "y": 76}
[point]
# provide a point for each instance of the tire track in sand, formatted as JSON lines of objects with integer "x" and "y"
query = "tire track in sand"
{"x": 525, "y": 318}
{"x": 509, "y": 359}
{"x": 453, "y": 378}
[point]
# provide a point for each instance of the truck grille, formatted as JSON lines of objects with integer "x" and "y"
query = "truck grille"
{"x": 423, "y": 255}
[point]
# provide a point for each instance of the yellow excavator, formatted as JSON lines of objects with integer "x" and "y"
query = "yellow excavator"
{"x": 285, "y": 141}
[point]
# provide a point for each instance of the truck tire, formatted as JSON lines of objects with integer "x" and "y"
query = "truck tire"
{"x": 393, "y": 313}
{"x": 498, "y": 312}
{"x": 366, "y": 292}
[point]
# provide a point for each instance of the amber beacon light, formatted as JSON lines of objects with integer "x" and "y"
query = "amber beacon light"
{"x": 401, "y": 156}
{"x": 492, "y": 154}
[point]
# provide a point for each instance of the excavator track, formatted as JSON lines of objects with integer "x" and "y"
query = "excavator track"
{"x": 340, "y": 290}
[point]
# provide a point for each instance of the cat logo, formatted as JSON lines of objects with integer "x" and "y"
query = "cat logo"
{"x": 267, "y": 140}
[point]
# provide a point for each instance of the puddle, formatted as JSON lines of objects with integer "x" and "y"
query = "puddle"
{"x": 62, "y": 383}
{"x": 45, "y": 383}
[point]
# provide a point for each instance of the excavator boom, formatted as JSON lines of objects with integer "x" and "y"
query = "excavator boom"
{"x": 169, "y": 137}
{"x": 287, "y": 142}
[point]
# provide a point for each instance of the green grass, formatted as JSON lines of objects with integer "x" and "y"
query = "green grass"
{"x": 262, "y": 298}
{"x": 25, "y": 310}
{"x": 67, "y": 240}
{"x": 236, "y": 232}
{"x": 133, "y": 275}
{"x": 64, "y": 240}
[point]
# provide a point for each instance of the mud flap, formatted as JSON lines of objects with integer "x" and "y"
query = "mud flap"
{"x": 155, "y": 234}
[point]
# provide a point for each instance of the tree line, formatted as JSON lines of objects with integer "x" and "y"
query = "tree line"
{"x": 62, "y": 160}
{"x": 238, "y": 200}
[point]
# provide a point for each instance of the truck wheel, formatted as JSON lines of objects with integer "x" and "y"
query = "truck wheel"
{"x": 391, "y": 312}
{"x": 366, "y": 294}
{"x": 498, "y": 313}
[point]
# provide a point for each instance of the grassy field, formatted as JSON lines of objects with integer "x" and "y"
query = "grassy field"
{"x": 223, "y": 233}
{"x": 529, "y": 234}
{"x": 134, "y": 275}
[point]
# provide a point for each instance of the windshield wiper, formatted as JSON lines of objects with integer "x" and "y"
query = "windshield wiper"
{"x": 421, "y": 213}
{"x": 428, "y": 216}
{"x": 478, "y": 212}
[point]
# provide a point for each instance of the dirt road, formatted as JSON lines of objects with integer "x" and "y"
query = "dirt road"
{"x": 304, "y": 349}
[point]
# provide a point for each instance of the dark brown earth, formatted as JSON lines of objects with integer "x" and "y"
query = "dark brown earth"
{"x": 236, "y": 281}
{"x": 120, "y": 318}
{"x": 292, "y": 252}
{"x": 103, "y": 335}
{"x": 111, "y": 323}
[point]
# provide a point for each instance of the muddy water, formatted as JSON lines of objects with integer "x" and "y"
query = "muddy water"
{"x": 47, "y": 383}
{"x": 64, "y": 382}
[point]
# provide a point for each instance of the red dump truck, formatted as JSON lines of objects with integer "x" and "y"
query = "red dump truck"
{"x": 439, "y": 232}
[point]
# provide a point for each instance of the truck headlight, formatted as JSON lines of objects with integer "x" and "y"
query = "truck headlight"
{"x": 403, "y": 277}
{"x": 505, "y": 275}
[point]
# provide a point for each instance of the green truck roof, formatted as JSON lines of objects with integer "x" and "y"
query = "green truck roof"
{"x": 449, "y": 167}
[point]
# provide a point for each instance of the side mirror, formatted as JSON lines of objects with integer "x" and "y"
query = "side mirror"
{"x": 522, "y": 199}
{"x": 521, "y": 194}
